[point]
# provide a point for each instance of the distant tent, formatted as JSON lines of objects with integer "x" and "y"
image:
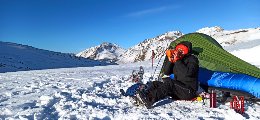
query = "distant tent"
{"x": 214, "y": 58}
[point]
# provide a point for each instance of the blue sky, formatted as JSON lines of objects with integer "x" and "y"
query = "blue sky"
{"x": 73, "y": 25}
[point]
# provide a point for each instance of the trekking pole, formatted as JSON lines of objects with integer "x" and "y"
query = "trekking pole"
{"x": 158, "y": 63}
{"x": 153, "y": 54}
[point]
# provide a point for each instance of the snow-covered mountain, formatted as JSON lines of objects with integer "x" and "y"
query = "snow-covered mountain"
{"x": 105, "y": 52}
{"x": 17, "y": 57}
{"x": 211, "y": 30}
{"x": 232, "y": 37}
{"x": 143, "y": 51}
{"x": 232, "y": 40}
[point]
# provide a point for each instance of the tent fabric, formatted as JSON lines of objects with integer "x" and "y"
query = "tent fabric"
{"x": 222, "y": 69}
{"x": 213, "y": 57}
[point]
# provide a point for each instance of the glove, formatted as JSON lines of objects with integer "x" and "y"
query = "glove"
{"x": 174, "y": 55}
{"x": 170, "y": 54}
{"x": 172, "y": 76}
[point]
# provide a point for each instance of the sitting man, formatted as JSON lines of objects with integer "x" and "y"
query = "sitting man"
{"x": 182, "y": 84}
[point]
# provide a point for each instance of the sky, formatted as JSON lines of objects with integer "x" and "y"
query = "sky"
{"x": 70, "y": 26}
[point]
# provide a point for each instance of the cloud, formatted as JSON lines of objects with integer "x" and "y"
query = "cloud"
{"x": 151, "y": 11}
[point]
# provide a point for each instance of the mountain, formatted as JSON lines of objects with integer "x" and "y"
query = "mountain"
{"x": 231, "y": 40}
{"x": 143, "y": 50}
{"x": 104, "y": 52}
{"x": 234, "y": 41}
{"x": 17, "y": 57}
{"x": 211, "y": 30}
{"x": 231, "y": 37}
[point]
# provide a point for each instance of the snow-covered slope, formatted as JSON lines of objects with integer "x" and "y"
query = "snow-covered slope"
{"x": 143, "y": 51}
{"x": 106, "y": 52}
{"x": 93, "y": 93}
{"x": 250, "y": 55}
{"x": 17, "y": 57}
{"x": 231, "y": 37}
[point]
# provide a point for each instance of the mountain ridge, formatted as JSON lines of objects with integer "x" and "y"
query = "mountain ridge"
{"x": 104, "y": 52}
{"x": 18, "y": 57}
{"x": 227, "y": 38}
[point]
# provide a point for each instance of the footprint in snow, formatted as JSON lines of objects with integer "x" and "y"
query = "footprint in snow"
{"x": 29, "y": 105}
{"x": 16, "y": 93}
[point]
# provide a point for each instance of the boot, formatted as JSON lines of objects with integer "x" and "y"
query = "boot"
{"x": 144, "y": 98}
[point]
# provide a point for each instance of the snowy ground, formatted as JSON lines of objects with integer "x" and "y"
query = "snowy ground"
{"x": 93, "y": 93}
{"x": 247, "y": 51}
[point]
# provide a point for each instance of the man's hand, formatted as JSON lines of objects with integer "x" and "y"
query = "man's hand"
{"x": 170, "y": 55}
{"x": 174, "y": 55}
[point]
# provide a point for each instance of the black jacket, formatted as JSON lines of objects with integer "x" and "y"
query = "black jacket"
{"x": 186, "y": 69}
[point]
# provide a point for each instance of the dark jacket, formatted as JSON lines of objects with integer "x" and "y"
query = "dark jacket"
{"x": 186, "y": 69}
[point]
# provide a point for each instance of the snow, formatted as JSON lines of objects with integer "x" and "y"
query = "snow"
{"x": 231, "y": 37}
{"x": 227, "y": 38}
{"x": 106, "y": 52}
{"x": 143, "y": 50}
{"x": 93, "y": 93}
{"x": 249, "y": 55}
{"x": 210, "y": 30}
{"x": 17, "y": 57}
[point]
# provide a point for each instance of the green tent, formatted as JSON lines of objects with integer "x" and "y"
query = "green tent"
{"x": 212, "y": 56}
